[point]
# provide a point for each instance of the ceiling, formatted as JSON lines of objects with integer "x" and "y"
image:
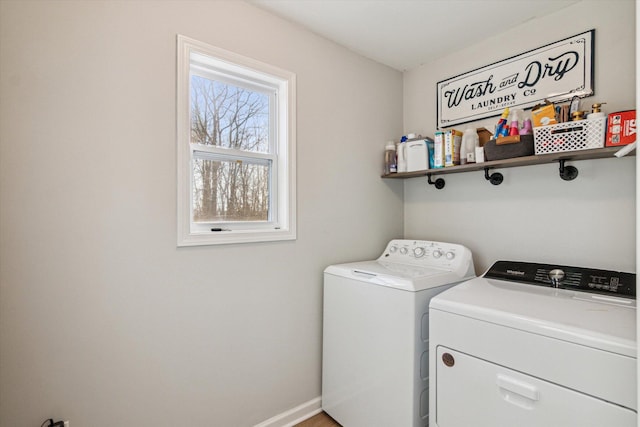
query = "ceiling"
{"x": 404, "y": 34}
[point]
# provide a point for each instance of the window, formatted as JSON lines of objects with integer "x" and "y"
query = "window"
{"x": 236, "y": 148}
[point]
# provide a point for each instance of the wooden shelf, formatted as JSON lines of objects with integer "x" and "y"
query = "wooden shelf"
{"x": 596, "y": 153}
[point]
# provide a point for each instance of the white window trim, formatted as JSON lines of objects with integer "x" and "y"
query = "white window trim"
{"x": 285, "y": 181}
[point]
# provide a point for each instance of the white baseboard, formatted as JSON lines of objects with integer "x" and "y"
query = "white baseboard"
{"x": 294, "y": 416}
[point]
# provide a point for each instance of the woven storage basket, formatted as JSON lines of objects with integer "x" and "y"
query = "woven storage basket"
{"x": 570, "y": 136}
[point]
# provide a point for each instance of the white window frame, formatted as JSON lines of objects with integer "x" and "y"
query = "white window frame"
{"x": 202, "y": 59}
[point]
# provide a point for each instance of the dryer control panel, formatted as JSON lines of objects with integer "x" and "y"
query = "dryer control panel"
{"x": 566, "y": 277}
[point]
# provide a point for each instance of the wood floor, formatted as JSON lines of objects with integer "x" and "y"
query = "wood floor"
{"x": 320, "y": 420}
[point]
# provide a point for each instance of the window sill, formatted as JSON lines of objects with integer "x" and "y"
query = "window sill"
{"x": 234, "y": 236}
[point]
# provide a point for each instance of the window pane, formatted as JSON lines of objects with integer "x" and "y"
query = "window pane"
{"x": 230, "y": 191}
{"x": 228, "y": 116}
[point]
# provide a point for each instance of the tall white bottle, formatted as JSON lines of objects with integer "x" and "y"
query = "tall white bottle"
{"x": 470, "y": 141}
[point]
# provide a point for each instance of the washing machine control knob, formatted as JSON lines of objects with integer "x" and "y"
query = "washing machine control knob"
{"x": 556, "y": 275}
{"x": 404, "y": 251}
{"x": 450, "y": 256}
{"x": 419, "y": 252}
{"x": 393, "y": 249}
{"x": 437, "y": 253}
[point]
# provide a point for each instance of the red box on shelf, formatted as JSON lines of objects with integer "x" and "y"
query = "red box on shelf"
{"x": 621, "y": 128}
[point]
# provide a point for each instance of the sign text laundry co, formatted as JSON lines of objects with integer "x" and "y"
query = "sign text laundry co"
{"x": 557, "y": 72}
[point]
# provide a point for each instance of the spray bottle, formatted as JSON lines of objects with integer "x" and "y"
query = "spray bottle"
{"x": 513, "y": 130}
{"x": 501, "y": 123}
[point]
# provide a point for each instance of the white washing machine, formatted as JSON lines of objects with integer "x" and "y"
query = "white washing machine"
{"x": 376, "y": 332}
{"x": 535, "y": 345}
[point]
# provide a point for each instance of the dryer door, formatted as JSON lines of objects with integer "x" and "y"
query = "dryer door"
{"x": 474, "y": 392}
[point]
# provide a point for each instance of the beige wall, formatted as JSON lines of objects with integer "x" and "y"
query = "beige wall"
{"x": 534, "y": 215}
{"x": 103, "y": 321}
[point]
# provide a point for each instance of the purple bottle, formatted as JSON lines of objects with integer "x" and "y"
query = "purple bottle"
{"x": 526, "y": 127}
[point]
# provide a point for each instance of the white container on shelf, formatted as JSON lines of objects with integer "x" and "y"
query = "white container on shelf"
{"x": 416, "y": 153}
{"x": 470, "y": 141}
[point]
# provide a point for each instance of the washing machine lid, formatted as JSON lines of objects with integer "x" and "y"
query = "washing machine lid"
{"x": 599, "y": 321}
{"x": 396, "y": 275}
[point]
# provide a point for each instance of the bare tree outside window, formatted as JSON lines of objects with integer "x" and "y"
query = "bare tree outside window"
{"x": 228, "y": 189}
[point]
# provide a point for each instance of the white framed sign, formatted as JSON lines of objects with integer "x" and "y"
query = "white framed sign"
{"x": 556, "y": 72}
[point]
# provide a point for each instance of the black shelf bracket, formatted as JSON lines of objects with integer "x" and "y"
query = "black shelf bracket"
{"x": 495, "y": 178}
{"x": 568, "y": 173}
{"x": 439, "y": 183}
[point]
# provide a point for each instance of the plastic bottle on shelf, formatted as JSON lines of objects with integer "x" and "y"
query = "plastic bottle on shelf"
{"x": 470, "y": 141}
{"x": 526, "y": 127}
{"x": 596, "y": 112}
{"x": 390, "y": 158}
{"x": 502, "y": 123}
{"x": 504, "y": 131}
{"x": 513, "y": 130}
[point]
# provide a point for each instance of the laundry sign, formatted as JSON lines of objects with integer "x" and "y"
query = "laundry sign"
{"x": 556, "y": 72}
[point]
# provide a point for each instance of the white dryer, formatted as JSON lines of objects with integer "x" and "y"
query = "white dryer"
{"x": 535, "y": 345}
{"x": 376, "y": 332}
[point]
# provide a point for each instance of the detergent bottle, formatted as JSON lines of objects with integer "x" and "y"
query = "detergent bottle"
{"x": 468, "y": 146}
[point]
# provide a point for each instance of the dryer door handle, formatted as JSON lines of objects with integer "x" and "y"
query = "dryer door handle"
{"x": 521, "y": 388}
